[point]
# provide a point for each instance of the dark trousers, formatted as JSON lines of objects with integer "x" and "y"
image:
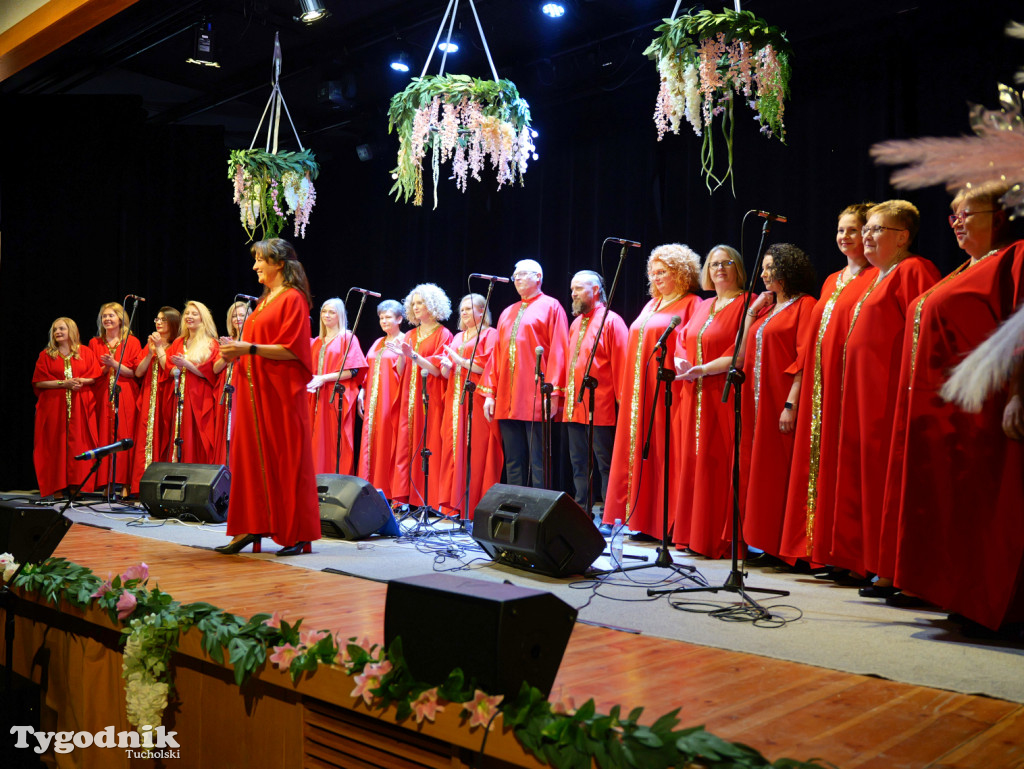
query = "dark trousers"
{"x": 522, "y": 461}
{"x": 604, "y": 439}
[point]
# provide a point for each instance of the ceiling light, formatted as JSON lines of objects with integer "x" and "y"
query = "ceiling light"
{"x": 202, "y": 46}
{"x": 311, "y": 10}
{"x": 401, "y": 62}
{"x": 450, "y": 47}
{"x": 554, "y": 10}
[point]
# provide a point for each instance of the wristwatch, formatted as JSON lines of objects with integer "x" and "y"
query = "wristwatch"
{"x": 252, "y": 349}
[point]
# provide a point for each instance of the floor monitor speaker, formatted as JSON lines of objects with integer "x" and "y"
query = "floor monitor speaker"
{"x": 186, "y": 491}
{"x": 29, "y": 533}
{"x": 350, "y": 507}
{"x": 536, "y": 530}
{"x": 497, "y": 633}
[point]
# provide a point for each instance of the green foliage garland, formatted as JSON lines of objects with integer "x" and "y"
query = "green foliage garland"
{"x": 269, "y": 188}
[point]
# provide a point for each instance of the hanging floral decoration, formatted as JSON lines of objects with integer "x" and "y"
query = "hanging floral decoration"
{"x": 706, "y": 61}
{"x": 271, "y": 188}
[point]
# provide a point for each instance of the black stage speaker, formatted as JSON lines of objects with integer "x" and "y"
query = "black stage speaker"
{"x": 536, "y": 530}
{"x": 25, "y": 531}
{"x": 350, "y": 507}
{"x": 187, "y": 491}
{"x": 497, "y": 633}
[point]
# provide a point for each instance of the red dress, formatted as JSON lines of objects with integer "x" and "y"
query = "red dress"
{"x": 487, "y": 457}
{"x": 380, "y": 417}
{"x": 807, "y": 528}
{"x": 323, "y": 414}
{"x": 273, "y": 484}
{"x": 127, "y": 407}
{"x": 194, "y": 419}
{"x": 65, "y": 421}
{"x": 705, "y": 425}
{"x": 407, "y": 479}
{"x": 635, "y": 484}
{"x": 155, "y": 421}
{"x": 221, "y": 419}
{"x": 874, "y": 350}
{"x": 953, "y": 532}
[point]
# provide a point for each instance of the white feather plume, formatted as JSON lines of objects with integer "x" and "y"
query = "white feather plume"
{"x": 989, "y": 368}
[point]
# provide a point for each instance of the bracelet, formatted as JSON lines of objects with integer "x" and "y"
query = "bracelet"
{"x": 252, "y": 349}
{"x": 752, "y": 313}
{"x": 789, "y": 406}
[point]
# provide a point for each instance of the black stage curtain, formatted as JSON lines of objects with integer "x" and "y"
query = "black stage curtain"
{"x": 97, "y": 203}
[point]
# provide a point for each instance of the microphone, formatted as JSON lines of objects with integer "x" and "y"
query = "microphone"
{"x": 247, "y": 297}
{"x": 664, "y": 335}
{"x": 540, "y": 354}
{"x": 136, "y": 297}
{"x": 770, "y": 217}
{"x": 624, "y": 242}
{"x": 495, "y": 278}
{"x": 102, "y": 451}
{"x": 365, "y": 291}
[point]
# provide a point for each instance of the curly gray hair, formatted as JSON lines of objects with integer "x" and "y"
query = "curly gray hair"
{"x": 436, "y": 300}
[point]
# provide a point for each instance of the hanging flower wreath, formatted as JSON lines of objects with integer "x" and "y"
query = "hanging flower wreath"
{"x": 706, "y": 60}
{"x": 270, "y": 188}
{"x": 462, "y": 119}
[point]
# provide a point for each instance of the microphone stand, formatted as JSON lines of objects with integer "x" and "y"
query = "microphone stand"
{"x": 115, "y": 401}
{"x": 227, "y": 396}
{"x": 178, "y": 412}
{"x": 424, "y": 511}
{"x": 734, "y": 583}
{"x": 339, "y": 391}
{"x": 546, "y": 389}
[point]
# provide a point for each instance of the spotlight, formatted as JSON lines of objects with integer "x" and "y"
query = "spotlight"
{"x": 310, "y": 11}
{"x": 401, "y": 62}
{"x": 554, "y": 10}
{"x": 202, "y": 46}
{"x": 451, "y": 47}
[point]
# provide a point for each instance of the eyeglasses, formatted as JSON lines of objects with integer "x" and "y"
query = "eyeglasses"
{"x": 160, "y": 319}
{"x": 657, "y": 274}
{"x": 955, "y": 219}
{"x": 723, "y": 265}
{"x": 521, "y": 275}
{"x": 876, "y": 230}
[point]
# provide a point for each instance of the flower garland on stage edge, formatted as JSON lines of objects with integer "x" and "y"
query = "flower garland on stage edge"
{"x": 708, "y": 59}
{"x": 270, "y": 188}
{"x": 462, "y": 119}
{"x": 561, "y": 735}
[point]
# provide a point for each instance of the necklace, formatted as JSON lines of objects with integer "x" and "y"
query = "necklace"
{"x": 422, "y": 332}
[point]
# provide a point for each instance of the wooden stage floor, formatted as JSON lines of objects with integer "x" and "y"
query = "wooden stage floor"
{"x": 780, "y": 708}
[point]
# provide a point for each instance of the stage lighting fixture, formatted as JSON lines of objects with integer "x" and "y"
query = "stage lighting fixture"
{"x": 202, "y": 46}
{"x": 401, "y": 62}
{"x": 451, "y": 47}
{"x": 311, "y": 10}
{"x": 554, "y": 10}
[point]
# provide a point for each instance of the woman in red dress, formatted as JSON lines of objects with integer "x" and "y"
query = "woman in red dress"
{"x": 421, "y": 350}
{"x": 155, "y": 422}
{"x": 874, "y": 349}
{"x": 704, "y": 424}
{"x": 238, "y": 312}
{"x": 774, "y": 335}
{"x": 486, "y": 458}
{"x": 327, "y": 348}
{"x": 192, "y": 356}
{"x": 273, "y": 484}
{"x": 115, "y": 347}
{"x": 952, "y": 529}
{"x": 635, "y": 485}
{"x": 65, "y": 418}
{"x": 807, "y": 529}
{"x": 378, "y": 401}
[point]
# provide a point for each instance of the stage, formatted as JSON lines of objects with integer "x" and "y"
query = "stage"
{"x": 782, "y": 708}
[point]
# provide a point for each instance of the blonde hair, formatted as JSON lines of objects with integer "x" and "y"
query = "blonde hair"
{"x": 122, "y": 316}
{"x": 705, "y": 272}
{"x": 437, "y": 302}
{"x": 902, "y": 211}
{"x": 199, "y": 353}
{"x": 682, "y": 261}
{"x": 234, "y": 333}
{"x": 339, "y": 307}
{"x": 74, "y": 339}
{"x": 478, "y": 303}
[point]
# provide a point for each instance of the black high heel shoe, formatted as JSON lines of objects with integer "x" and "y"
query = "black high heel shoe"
{"x": 240, "y": 544}
{"x": 296, "y": 549}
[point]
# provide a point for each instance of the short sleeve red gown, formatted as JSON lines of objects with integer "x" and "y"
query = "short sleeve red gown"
{"x": 194, "y": 418}
{"x": 324, "y": 414}
{"x": 154, "y": 424}
{"x": 382, "y": 388}
{"x": 126, "y": 411}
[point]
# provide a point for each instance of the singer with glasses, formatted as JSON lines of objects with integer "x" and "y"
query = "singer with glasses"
{"x": 115, "y": 348}
{"x": 238, "y": 312}
{"x": 379, "y": 399}
{"x": 704, "y": 426}
{"x": 65, "y": 424}
{"x": 952, "y": 531}
{"x": 273, "y": 484}
{"x": 192, "y": 356}
{"x": 635, "y": 485}
{"x": 533, "y": 336}
{"x": 327, "y": 349}
{"x": 154, "y": 425}
{"x": 419, "y": 424}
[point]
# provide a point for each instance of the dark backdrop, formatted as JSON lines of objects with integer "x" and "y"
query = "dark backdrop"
{"x": 96, "y": 203}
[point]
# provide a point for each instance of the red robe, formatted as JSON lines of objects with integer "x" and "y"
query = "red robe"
{"x": 874, "y": 350}
{"x": 126, "y": 411}
{"x": 953, "y": 530}
{"x": 65, "y": 421}
{"x": 510, "y": 376}
{"x": 380, "y": 417}
{"x": 411, "y": 412}
{"x": 807, "y": 528}
{"x": 609, "y": 363}
{"x": 774, "y": 345}
{"x": 221, "y": 420}
{"x": 487, "y": 458}
{"x": 705, "y": 425}
{"x": 194, "y": 419}
{"x": 635, "y": 484}
{"x": 273, "y": 484}
{"x": 324, "y": 415}
{"x": 155, "y": 421}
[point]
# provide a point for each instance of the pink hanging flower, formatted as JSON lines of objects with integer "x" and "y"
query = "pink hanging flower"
{"x": 426, "y": 706}
{"x": 283, "y": 655}
{"x": 138, "y": 572}
{"x": 482, "y": 709}
{"x": 126, "y": 605}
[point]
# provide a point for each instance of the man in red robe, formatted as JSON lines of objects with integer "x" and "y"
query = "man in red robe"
{"x": 510, "y": 382}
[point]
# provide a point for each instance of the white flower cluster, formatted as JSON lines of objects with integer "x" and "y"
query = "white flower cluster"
{"x": 145, "y": 670}
{"x": 8, "y": 565}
